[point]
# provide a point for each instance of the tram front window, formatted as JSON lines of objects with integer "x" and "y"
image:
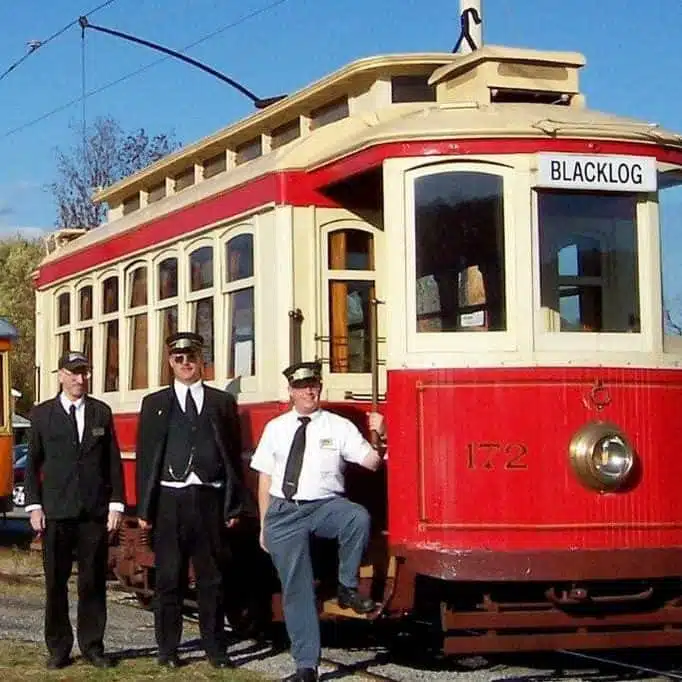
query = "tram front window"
{"x": 459, "y": 249}
{"x": 588, "y": 262}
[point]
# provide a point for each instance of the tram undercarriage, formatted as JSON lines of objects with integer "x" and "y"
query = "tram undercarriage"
{"x": 460, "y": 602}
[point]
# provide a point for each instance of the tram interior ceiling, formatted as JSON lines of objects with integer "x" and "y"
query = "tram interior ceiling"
{"x": 362, "y": 193}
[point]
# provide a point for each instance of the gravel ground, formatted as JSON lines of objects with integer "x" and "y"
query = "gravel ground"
{"x": 352, "y": 650}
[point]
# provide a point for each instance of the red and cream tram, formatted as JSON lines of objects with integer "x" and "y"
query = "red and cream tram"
{"x": 506, "y": 239}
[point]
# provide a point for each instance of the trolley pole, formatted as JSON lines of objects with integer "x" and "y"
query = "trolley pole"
{"x": 472, "y": 26}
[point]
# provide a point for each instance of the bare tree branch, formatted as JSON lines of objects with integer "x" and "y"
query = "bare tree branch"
{"x": 106, "y": 155}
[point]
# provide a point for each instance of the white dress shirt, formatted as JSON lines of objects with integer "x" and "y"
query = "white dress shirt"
{"x": 80, "y": 424}
{"x": 331, "y": 441}
{"x": 197, "y": 390}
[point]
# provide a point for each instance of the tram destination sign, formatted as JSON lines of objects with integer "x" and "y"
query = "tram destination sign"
{"x": 600, "y": 173}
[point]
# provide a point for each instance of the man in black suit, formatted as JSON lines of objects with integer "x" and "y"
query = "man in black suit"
{"x": 189, "y": 490}
{"x": 74, "y": 495}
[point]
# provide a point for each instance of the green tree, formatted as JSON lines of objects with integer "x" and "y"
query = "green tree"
{"x": 103, "y": 156}
{"x": 19, "y": 257}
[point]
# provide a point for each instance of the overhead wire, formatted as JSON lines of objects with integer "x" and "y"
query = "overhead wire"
{"x": 132, "y": 74}
{"x": 41, "y": 43}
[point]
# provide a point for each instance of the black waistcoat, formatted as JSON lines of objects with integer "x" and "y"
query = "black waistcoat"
{"x": 191, "y": 448}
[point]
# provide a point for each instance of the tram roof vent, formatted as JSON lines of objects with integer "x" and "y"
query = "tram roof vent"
{"x": 495, "y": 74}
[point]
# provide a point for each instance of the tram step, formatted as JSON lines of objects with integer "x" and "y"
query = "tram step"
{"x": 331, "y": 608}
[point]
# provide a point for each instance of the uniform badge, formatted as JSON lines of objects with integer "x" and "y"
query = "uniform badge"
{"x": 327, "y": 443}
{"x": 98, "y": 431}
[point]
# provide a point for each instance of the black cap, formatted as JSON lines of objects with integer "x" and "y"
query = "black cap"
{"x": 185, "y": 342}
{"x": 72, "y": 360}
{"x": 303, "y": 372}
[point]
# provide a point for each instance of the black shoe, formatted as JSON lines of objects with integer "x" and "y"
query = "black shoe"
{"x": 349, "y": 598}
{"x": 303, "y": 675}
{"x": 170, "y": 661}
{"x": 98, "y": 660}
{"x": 57, "y": 662}
{"x": 220, "y": 662}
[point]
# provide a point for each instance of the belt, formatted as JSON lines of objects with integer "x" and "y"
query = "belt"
{"x": 301, "y": 503}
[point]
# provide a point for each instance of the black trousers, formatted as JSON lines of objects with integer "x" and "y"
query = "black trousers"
{"x": 87, "y": 539}
{"x": 190, "y": 524}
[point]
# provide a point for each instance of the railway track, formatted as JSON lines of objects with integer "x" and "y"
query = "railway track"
{"x": 622, "y": 665}
{"x": 358, "y": 670}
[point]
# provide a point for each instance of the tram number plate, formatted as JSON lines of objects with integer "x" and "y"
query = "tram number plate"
{"x": 492, "y": 456}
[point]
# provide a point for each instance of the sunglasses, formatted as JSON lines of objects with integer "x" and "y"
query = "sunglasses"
{"x": 182, "y": 358}
{"x": 85, "y": 373}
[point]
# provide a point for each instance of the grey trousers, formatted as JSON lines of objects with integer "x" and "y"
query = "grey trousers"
{"x": 287, "y": 530}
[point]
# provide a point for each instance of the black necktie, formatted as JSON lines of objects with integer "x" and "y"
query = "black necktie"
{"x": 191, "y": 407}
{"x": 295, "y": 460}
{"x": 74, "y": 423}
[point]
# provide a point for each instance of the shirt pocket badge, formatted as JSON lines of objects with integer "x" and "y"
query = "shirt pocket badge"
{"x": 98, "y": 431}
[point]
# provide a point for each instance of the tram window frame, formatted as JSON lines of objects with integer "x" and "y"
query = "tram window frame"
{"x": 462, "y": 340}
{"x": 196, "y": 298}
{"x": 85, "y": 320}
{"x": 231, "y": 287}
{"x": 137, "y": 320}
{"x": 109, "y": 321}
{"x": 669, "y": 182}
{"x": 551, "y": 339}
{"x": 162, "y": 306}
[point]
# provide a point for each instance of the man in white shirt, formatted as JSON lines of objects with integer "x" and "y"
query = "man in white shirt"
{"x": 189, "y": 490}
{"x": 74, "y": 496}
{"x": 301, "y": 458}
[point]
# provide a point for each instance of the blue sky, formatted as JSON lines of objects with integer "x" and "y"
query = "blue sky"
{"x": 633, "y": 48}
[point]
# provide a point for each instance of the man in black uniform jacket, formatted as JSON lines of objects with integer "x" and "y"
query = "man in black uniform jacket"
{"x": 74, "y": 495}
{"x": 189, "y": 490}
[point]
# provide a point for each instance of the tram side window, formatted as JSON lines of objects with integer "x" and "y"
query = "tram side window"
{"x": 239, "y": 294}
{"x": 670, "y": 217}
{"x": 137, "y": 302}
{"x": 167, "y": 313}
{"x": 588, "y": 268}
{"x": 63, "y": 321}
{"x": 111, "y": 330}
{"x": 459, "y": 249}
{"x": 351, "y": 290}
{"x": 201, "y": 306}
{"x": 85, "y": 311}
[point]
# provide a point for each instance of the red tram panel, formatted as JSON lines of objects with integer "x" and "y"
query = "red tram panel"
{"x": 481, "y": 460}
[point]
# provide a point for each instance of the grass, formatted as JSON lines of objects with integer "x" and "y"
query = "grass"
{"x": 22, "y": 662}
{"x": 18, "y": 563}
